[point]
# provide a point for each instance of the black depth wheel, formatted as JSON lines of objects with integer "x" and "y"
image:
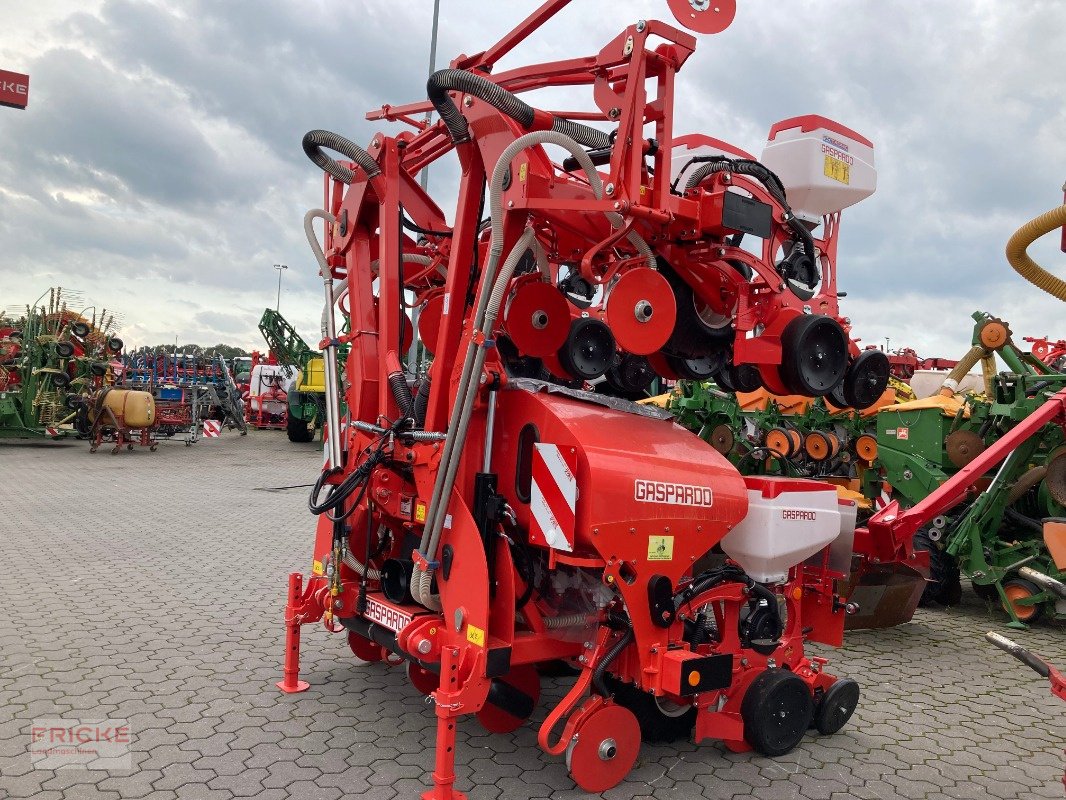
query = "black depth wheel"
{"x": 80, "y": 329}
{"x": 700, "y": 368}
{"x": 814, "y": 355}
{"x": 866, "y": 379}
{"x": 64, "y": 349}
{"x": 777, "y": 710}
{"x": 836, "y": 397}
{"x": 589, "y": 349}
{"x": 631, "y": 376}
{"x": 836, "y": 706}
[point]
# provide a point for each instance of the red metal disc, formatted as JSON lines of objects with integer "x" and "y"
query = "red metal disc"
{"x": 422, "y": 679}
{"x": 429, "y": 321}
{"x": 537, "y": 319}
{"x": 704, "y": 16}
{"x": 641, "y": 311}
{"x": 606, "y": 748}
{"x": 771, "y": 379}
{"x": 364, "y": 649}
{"x": 526, "y": 680}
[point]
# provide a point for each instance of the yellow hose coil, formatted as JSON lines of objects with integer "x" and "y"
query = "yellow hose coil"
{"x": 1025, "y": 266}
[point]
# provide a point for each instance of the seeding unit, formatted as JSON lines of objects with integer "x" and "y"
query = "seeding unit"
{"x": 500, "y": 515}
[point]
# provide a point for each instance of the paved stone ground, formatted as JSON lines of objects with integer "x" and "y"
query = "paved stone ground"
{"x": 150, "y": 586}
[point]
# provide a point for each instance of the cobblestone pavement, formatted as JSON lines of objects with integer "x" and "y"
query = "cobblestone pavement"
{"x": 149, "y": 587}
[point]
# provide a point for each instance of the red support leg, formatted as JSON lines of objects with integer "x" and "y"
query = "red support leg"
{"x": 291, "y": 683}
{"x": 447, "y": 713}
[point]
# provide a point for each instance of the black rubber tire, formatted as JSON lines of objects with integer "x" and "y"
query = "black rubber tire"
{"x": 114, "y": 344}
{"x": 777, "y": 710}
{"x": 298, "y": 430}
{"x": 80, "y": 329}
{"x": 98, "y": 368}
{"x": 700, "y": 368}
{"x": 61, "y": 380}
{"x": 595, "y": 354}
{"x": 691, "y": 336}
{"x": 835, "y": 707}
{"x": 866, "y": 379}
{"x": 64, "y": 349}
{"x": 836, "y": 397}
{"x": 802, "y": 371}
{"x": 945, "y": 584}
{"x": 724, "y": 378}
{"x": 655, "y": 725}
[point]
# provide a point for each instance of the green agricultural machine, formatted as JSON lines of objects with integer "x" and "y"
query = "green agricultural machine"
{"x": 905, "y": 451}
{"x": 1001, "y": 529}
{"x": 49, "y": 356}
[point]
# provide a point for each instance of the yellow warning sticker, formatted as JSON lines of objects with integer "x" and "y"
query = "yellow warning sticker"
{"x": 523, "y": 171}
{"x": 420, "y": 511}
{"x": 475, "y": 635}
{"x": 660, "y": 548}
{"x": 837, "y": 170}
{"x": 316, "y": 568}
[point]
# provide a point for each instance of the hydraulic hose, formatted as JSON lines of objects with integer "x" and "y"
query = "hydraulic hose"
{"x": 601, "y": 669}
{"x": 329, "y": 355}
{"x": 313, "y": 143}
{"x": 1024, "y": 265}
{"x": 457, "y": 80}
{"x": 468, "y": 385}
{"x": 767, "y": 178}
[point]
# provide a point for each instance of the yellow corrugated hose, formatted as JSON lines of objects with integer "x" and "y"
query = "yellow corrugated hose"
{"x": 1025, "y": 266}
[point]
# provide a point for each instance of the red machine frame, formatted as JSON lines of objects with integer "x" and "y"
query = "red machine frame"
{"x": 478, "y": 625}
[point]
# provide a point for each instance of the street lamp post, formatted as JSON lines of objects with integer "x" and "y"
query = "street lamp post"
{"x": 279, "y": 268}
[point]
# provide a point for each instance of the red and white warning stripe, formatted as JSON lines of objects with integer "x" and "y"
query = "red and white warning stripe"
{"x": 553, "y": 497}
{"x": 884, "y": 498}
{"x": 212, "y": 428}
{"x": 53, "y": 432}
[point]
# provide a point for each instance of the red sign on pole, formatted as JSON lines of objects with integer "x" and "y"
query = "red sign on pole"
{"x": 14, "y": 89}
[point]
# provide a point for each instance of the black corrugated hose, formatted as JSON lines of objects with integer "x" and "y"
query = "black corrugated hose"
{"x": 313, "y": 143}
{"x": 457, "y": 80}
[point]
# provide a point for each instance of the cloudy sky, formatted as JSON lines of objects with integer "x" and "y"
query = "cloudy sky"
{"x": 158, "y": 167}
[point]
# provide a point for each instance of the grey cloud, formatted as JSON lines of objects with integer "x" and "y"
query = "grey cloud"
{"x": 161, "y": 147}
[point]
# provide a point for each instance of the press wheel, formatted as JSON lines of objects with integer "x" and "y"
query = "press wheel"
{"x": 777, "y": 710}
{"x": 866, "y": 379}
{"x": 604, "y": 748}
{"x": 588, "y": 350}
{"x": 741, "y": 377}
{"x": 699, "y": 368}
{"x": 836, "y": 706}
{"x": 814, "y": 355}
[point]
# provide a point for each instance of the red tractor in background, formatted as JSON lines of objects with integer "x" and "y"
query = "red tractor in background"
{"x": 508, "y": 507}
